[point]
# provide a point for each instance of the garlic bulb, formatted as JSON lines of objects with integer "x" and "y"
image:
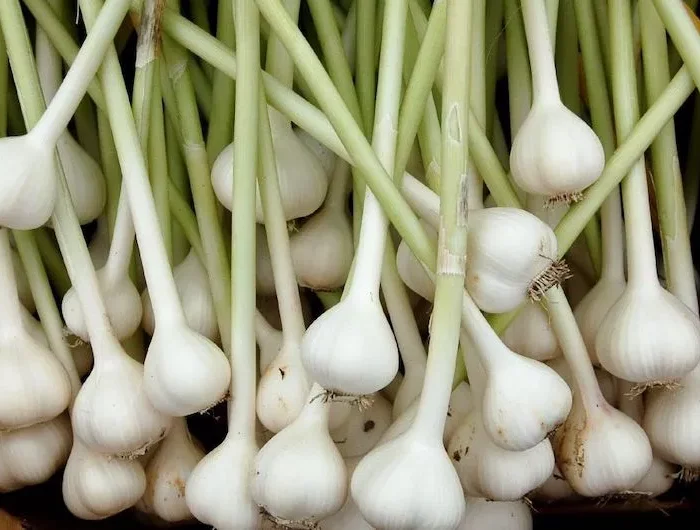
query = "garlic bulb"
{"x": 299, "y": 475}
{"x": 34, "y": 327}
{"x": 322, "y": 249}
{"x": 325, "y": 156}
{"x": 302, "y": 180}
{"x": 408, "y": 482}
{"x": 218, "y": 491}
{"x": 193, "y": 286}
{"x": 531, "y": 335}
{"x": 412, "y": 272}
{"x": 554, "y": 153}
{"x": 96, "y": 486}
{"x": 184, "y": 371}
{"x": 363, "y": 428}
{"x": 264, "y": 279}
{"x": 486, "y": 470}
{"x": 32, "y": 455}
{"x": 29, "y": 184}
{"x": 111, "y": 413}
{"x": 23, "y": 290}
{"x": 282, "y": 389}
{"x": 461, "y": 402}
{"x": 122, "y": 301}
{"x": 608, "y": 383}
{"x": 555, "y": 488}
{"x": 349, "y": 516}
{"x": 512, "y": 255}
{"x": 497, "y": 515}
{"x": 648, "y": 336}
{"x": 351, "y": 348}
{"x": 167, "y": 473}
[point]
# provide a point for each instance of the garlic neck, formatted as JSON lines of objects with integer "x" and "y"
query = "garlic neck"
{"x": 11, "y": 317}
{"x": 539, "y": 43}
{"x": 338, "y": 188}
{"x": 613, "y": 238}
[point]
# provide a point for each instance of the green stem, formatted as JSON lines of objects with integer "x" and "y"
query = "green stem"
{"x": 4, "y": 83}
{"x": 110, "y": 169}
{"x": 220, "y": 132}
{"x": 200, "y": 16}
{"x": 51, "y": 256}
{"x": 194, "y": 149}
{"x": 552, "y": 18}
{"x": 600, "y": 8}
{"x": 86, "y": 128}
{"x": 678, "y": 260}
{"x": 202, "y": 88}
{"x": 494, "y": 30}
{"x": 691, "y": 179}
{"x": 179, "y": 183}
{"x": 477, "y": 96}
{"x": 186, "y": 220}
{"x": 245, "y": 147}
{"x": 519, "y": 78}
{"x": 364, "y": 62}
{"x": 566, "y": 56}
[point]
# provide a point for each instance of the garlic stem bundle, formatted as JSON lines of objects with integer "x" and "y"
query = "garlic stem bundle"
{"x": 299, "y": 476}
{"x": 648, "y": 336}
{"x": 485, "y": 513}
{"x": 167, "y": 472}
{"x": 196, "y": 297}
{"x": 554, "y": 153}
{"x": 322, "y": 249}
{"x": 599, "y": 449}
{"x": 84, "y": 177}
{"x": 363, "y": 428}
{"x": 34, "y": 387}
{"x": 30, "y": 185}
{"x": 31, "y": 455}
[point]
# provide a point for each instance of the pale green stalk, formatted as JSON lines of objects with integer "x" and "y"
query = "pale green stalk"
{"x": 477, "y": 96}
{"x": 366, "y": 85}
{"x": 552, "y": 18}
{"x": 600, "y": 8}
{"x": 519, "y": 78}
{"x": 202, "y": 88}
{"x": 200, "y": 16}
{"x": 178, "y": 182}
{"x": 668, "y": 185}
{"x": 493, "y": 35}
{"x": 110, "y": 168}
{"x": 691, "y": 178}
{"x": 53, "y": 262}
{"x": 185, "y": 220}
{"x": 566, "y": 57}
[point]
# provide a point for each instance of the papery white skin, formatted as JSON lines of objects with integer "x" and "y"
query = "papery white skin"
{"x": 486, "y": 470}
{"x": 269, "y": 342}
{"x": 608, "y": 383}
{"x": 302, "y": 179}
{"x": 555, "y": 488}
{"x": 218, "y": 490}
{"x": 593, "y": 309}
{"x": 111, "y": 413}
{"x": 351, "y": 348}
{"x": 299, "y": 475}
{"x": 648, "y": 336}
{"x": 483, "y": 513}
{"x": 96, "y": 486}
{"x": 29, "y": 185}
{"x": 34, "y": 328}
{"x": 23, "y": 290}
{"x": 363, "y": 428}
{"x": 34, "y": 387}
{"x": 282, "y": 389}
{"x": 410, "y": 269}
{"x": 99, "y": 244}
{"x": 184, "y": 371}
{"x": 322, "y": 249}
{"x": 32, "y": 455}
{"x": 264, "y": 278}
{"x": 508, "y": 248}
{"x": 193, "y": 286}
{"x": 408, "y": 483}
{"x": 325, "y": 156}
{"x": 86, "y": 183}
{"x": 408, "y": 390}
{"x": 167, "y": 472}
{"x": 599, "y": 449}
{"x": 122, "y": 301}
{"x": 349, "y": 516}
{"x": 531, "y": 335}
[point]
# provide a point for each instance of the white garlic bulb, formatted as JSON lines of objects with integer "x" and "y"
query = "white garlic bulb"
{"x": 299, "y": 475}
{"x": 193, "y": 286}
{"x": 325, "y": 156}
{"x": 167, "y": 472}
{"x": 486, "y": 470}
{"x": 184, "y": 371}
{"x": 29, "y": 185}
{"x": 283, "y": 389}
{"x": 111, "y": 413}
{"x": 412, "y": 272}
{"x": 555, "y": 488}
{"x": 351, "y": 348}
{"x": 32, "y": 455}
{"x": 122, "y": 301}
{"x": 96, "y": 486}
{"x": 531, "y": 335}
{"x": 349, "y": 516}
{"x": 496, "y": 515}
{"x": 218, "y": 491}
{"x": 592, "y": 310}
{"x": 363, "y": 428}
{"x": 34, "y": 328}
{"x": 302, "y": 180}
{"x": 648, "y": 336}
{"x": 408, "y": 482}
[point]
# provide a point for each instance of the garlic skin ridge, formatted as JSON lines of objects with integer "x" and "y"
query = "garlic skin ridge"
{"x": 299, "y": 476}
{"x": 363, "y": 429}
{"x": 33, "y": 454}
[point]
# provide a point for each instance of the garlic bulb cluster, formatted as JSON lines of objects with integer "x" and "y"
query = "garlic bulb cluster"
{"x": 351, "y": 348}
{"x": 302, "y": 179}
{"x": 363, "y": 428}
{"x": 193, "y": 286}
{"x": 167, "y": 472}
{"x": 485, "y": 513}
{"x": 96, "y": 486}
{"x": 218, "y": 491}
{"x": 111, "y": 413}
{"x": 299, "y": 475}
{"x": 32, "y": 455}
